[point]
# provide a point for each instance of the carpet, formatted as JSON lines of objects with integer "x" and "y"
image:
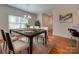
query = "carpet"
{"x": 38, "y": 47}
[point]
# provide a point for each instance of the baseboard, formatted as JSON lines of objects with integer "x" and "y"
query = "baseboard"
{"x": 62, "y": 36}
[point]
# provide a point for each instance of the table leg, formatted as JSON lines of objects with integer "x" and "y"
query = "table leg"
{"x": 45, "y": 37}
{"x": 31, "y": 45}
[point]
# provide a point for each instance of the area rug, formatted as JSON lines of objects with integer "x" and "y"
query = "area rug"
{"x": 38, "y": 47}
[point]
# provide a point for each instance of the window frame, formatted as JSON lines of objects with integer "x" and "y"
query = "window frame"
{"x": 19, "y": 18}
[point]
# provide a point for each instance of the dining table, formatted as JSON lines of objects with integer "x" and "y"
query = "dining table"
{"x": 30, "y": 34}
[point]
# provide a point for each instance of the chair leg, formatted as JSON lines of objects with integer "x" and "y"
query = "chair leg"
{"x": 9, "y": 51}
{"x": 28, "y": 50}
{"x": 37, "y": 39}
{"x": 6, "y": 46}
{"x": 77, "y": 43}
{"x": 13, "y": 52}
{"x": 3, "y": 45}
{"x": 71, "y": 40}
{"x": 43, "y": 41}
{"x": 71, "y": 37}
{"x": 28, "y": 40}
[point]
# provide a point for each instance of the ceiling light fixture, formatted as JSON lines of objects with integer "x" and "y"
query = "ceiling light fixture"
{"x": 28, "y": 15}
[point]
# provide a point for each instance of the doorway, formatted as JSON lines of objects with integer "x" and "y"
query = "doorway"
{"x": 47, "y": 21}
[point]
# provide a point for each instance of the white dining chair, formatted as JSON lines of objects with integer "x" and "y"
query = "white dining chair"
{"x": 17, "y": 46}
{"x": 42, "y": 36}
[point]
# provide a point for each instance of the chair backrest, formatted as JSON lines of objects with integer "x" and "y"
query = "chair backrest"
{"x": 71, "y": 30}
{"x": 3, "y": 34}
{"x": 8, "y": 39}
{"x": 31, "y": 26}
{"x": 74, "y": 32}
{"x": 36, "y": 27}
{"x": 45, "y": 28}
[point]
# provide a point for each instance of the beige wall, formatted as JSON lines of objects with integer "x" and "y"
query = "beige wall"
{"x": 39, "y": 17}
{"x": 6, "y": 10}
{"x": 61, "y": 29}
{"x": 47, "y": 21}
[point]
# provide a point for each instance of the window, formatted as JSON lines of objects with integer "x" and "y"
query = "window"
{"x": 17, "y": 22}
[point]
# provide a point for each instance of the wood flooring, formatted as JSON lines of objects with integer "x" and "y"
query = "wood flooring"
{"x": 63, "y": 45}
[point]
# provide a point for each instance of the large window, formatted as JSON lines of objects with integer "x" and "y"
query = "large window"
{"x": 17, "y": 22}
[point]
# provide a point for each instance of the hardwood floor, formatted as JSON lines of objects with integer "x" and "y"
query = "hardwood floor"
{"x": 63, "y": 45}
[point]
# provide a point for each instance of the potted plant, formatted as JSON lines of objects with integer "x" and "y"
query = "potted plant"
{"x": 37, "y": 23}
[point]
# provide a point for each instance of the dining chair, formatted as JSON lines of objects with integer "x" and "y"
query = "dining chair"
{"x": 74, "y": 35}
{"x": 13, "y": 38}
{"x": 32, "y": 27}
{"x": 42, "y": 36}
{"x": 4, "y": 44}
{"x": 19, "y": 36}
{"x": 16, "y": 46}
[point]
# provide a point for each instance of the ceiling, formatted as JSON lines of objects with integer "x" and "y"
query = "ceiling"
{"x": 39, "y": 8}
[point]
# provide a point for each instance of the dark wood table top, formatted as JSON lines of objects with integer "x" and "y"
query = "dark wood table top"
{"x": 29, "y": 32}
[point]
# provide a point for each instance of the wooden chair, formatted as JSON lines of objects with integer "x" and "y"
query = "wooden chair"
{"x": 16, "y": 46}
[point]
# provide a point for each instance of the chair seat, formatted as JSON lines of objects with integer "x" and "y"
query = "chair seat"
{"x": 1, "y": 48}
{"x": 18, "y": 37}
{"x": 14, "y": 34}
{"x": 19, "y": 45}
{"x": 14, "y": 38}
{"x": 24, "y": 39}
{"x": 42, "y": 35}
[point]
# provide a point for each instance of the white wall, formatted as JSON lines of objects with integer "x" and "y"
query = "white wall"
{"x": 61, "y": 29}
{"x": 6, "y": 10}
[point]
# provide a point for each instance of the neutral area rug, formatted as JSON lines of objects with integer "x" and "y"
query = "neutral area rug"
{"x": 38, "y": 47}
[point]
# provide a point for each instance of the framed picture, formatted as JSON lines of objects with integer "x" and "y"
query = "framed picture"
{"x": 65, "y": 18}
